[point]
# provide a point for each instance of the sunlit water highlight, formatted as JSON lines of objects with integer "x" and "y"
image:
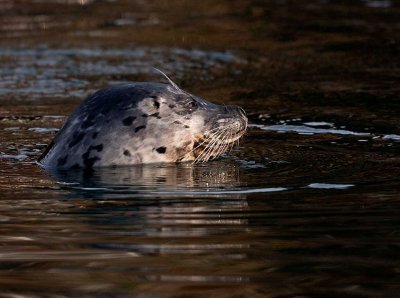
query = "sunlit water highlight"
{"x": 312, "y": 128}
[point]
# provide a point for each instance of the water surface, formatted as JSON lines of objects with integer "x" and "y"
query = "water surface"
{"x": 306, "y": 206}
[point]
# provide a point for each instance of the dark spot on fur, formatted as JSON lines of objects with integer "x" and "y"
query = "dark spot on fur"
{"x": 171, "y": 106}
{"x": 86, "y": 154}
{"x": 127, "y": 153}
{"x": 76, "y": 138}
{"x": 177, "y": 122}
{"x": 140, "y": 127}
{"x": 62, "y": 161}
{"x": 155, "y": 115}
{"x": 144, "y": 115}
{"x": 99, "y": 148}
{"x": 128, "y": 120}
{"x": 89, "y": 161}
{"x": 185, "y": 113}
{"x": 156, "y": 104}
{"x": 161, "y": 150}
{"x": 94, "y": 135}
{"x": 186, "y": 126}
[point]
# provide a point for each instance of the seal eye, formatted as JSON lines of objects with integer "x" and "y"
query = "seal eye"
{"x": 191, "y": 105}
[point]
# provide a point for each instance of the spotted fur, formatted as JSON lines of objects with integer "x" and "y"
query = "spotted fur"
{"x": 144, "y": 123}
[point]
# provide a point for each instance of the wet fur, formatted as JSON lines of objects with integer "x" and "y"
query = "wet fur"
{"x": 143, "y": 123}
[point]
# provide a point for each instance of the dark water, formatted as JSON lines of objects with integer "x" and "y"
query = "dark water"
{"x": 307, "y": 206}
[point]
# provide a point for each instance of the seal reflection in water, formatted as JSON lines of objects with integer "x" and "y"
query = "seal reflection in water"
{"x": 142, "y": 123}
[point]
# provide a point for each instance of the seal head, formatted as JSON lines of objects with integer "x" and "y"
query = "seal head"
{"x": 141, "y": 123}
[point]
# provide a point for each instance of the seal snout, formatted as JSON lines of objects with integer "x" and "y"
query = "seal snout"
{"x": 242, "y": 118}
{"x": 234, "y": 119}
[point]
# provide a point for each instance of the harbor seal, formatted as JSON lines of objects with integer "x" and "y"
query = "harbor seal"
{"x": 144, "y": 122}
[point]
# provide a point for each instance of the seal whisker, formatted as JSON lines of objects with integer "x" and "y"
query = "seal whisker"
{"x": 209, "y": 135}
{"x": 218, "y": 146}
{"x": 225, "y": 144}
{"x": 170, "y": 81}
{"x": 200, "y": 156}
{"x": 236, "y": 143}
{"x": 212, "y": 148}
{"x": 210, "y": 132}
{"x": 204, "y": 156}
{"x": 231, "y": 144}
{"x": 207, "y": 139}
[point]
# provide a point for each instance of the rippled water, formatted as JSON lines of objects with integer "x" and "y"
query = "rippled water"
{"x": 42, "y": 72}
{"x": 306, "y": 206}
